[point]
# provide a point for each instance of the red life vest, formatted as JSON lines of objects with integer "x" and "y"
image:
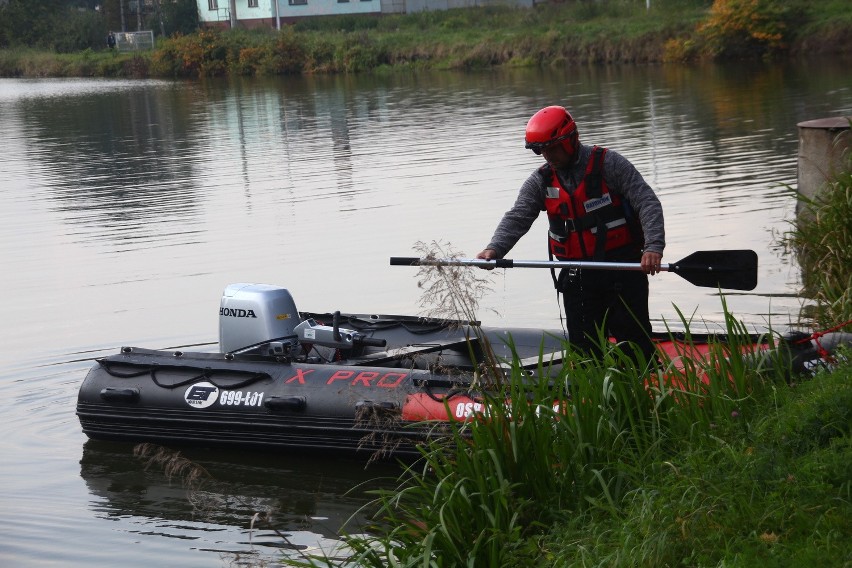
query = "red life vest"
{"x": 591, "y": 221}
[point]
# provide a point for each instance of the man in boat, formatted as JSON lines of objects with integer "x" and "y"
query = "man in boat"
{"x": 600, "y": 209}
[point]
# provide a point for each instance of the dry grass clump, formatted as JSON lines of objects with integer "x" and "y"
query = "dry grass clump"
{"x": 454, "y": 292}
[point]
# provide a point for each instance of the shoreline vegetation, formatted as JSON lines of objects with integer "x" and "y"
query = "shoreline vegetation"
{"x": 551, "y": 34}
{"x": 736, "y": 462}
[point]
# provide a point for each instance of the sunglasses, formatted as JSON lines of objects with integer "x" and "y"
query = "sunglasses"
{"x": 539, "y": 147}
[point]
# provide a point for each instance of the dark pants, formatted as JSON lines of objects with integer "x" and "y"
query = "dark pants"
{"x": 614, "y": 300}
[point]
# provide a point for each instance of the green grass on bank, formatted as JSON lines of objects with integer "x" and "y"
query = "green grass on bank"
{"x": 26, "y": 62}
{"x": 751, "y": 468}
{"x": 603, "y": 31}
{"x": 770, "y": 490}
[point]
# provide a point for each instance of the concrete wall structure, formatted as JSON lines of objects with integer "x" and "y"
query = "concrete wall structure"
{"x": 824, "y": 145}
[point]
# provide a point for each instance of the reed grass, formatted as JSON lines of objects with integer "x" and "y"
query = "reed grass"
{"x": 585, "y": 443}
{"x": 192, "y": 476}
{"x": 453, "y": 293}
{"x": 821, "y": 239}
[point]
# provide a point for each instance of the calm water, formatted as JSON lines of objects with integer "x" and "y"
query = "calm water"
{"x": 129, "y": 205}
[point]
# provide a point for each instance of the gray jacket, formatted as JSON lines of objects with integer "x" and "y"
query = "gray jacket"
{"x": 621, "y": 177}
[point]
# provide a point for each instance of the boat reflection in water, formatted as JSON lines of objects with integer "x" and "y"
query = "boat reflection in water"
{"x": 233, "y": 503}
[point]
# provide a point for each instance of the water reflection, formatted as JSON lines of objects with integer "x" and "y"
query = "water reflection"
{"x": 299, "y": 500}
{"x": 130, "y": 205}
{"x": 113, "y": 161}
{"x": 254, "y": 168}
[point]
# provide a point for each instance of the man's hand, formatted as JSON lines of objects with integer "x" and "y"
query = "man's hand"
{"x": 487, "y": 254}
{"x": 650, "y": 262}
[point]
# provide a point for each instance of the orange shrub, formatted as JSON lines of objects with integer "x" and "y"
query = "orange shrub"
{"x": 747, "y": 27}
{"x": 200, "y": 55}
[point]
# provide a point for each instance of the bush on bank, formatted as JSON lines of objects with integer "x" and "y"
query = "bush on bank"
{"x": 613, "y": 31}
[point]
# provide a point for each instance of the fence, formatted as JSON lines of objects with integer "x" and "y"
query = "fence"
{"x": 134, "y": 41}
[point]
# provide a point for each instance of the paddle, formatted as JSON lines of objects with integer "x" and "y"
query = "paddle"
{"x": 732, "y": 269}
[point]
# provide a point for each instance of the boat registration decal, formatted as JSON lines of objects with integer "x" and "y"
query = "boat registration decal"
{"x": 201, "y": 395}
{"x": 237, "y": 398}
{"x": 467, "y": 409}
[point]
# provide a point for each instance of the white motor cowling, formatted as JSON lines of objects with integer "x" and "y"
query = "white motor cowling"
{"x": 253, "y": 314}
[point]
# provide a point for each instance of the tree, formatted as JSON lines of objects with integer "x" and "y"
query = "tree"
{"x": 31, "y": 24}
{"x": 60, "y": 25}
{"x": 115, "y": 12}
{"x": 180, "y": 16}
{"x": 79, "y": 30}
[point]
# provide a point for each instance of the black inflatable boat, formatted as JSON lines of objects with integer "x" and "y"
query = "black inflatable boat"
{"x": 288, "y": 380}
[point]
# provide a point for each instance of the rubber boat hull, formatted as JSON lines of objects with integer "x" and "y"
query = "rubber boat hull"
{"x": 373, "y": 402}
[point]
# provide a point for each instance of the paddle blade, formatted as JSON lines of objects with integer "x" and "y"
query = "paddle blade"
{"x": 731, "y": 269}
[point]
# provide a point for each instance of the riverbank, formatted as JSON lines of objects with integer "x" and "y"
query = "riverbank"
{"x": 739, "y": 462}
{"x": 475, "y": 38}
{"x": 752, "y": 471}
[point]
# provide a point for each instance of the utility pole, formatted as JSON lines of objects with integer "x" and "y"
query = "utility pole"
{"x": 138, "y": 15}
{"x": 277, "y": 16}
{"x": 160, "y": 17}
{"x": 121, "y": 11}
{"x": 232, "y": 4}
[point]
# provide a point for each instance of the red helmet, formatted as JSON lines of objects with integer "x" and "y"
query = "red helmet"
{"x": 551, "y": 125}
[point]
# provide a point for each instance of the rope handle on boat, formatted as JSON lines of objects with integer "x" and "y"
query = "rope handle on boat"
{"x": 204, "y": 374}
{"x": 815, "y": 337}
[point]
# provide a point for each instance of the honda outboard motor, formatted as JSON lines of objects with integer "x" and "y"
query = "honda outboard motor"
{"x": 263, "y": 318}
{"x": 251, "y": 315}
